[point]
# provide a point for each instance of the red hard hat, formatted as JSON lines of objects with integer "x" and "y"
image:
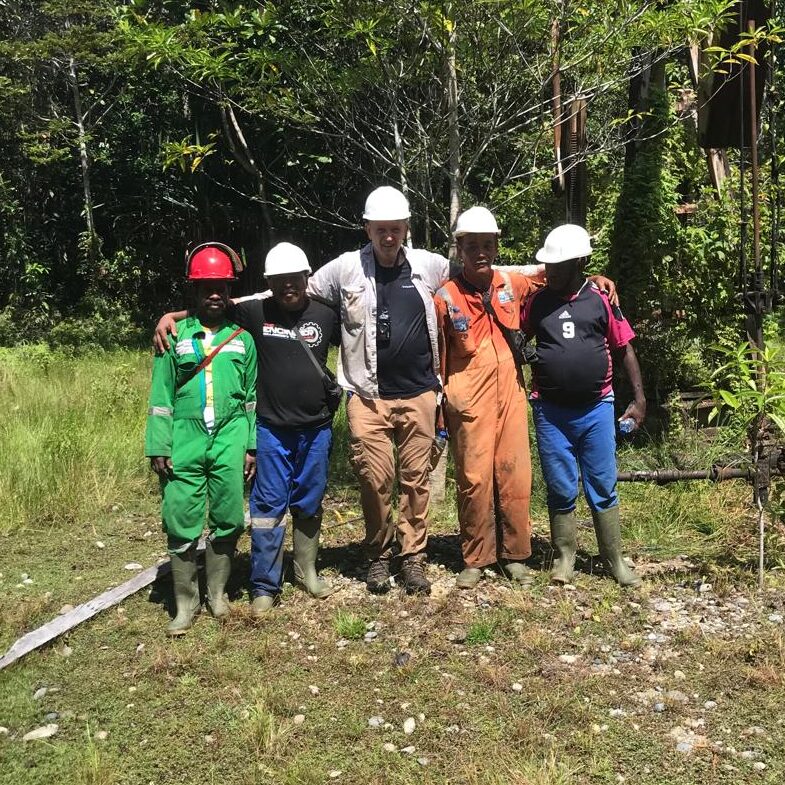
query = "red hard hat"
{"x": 212, "y": 261}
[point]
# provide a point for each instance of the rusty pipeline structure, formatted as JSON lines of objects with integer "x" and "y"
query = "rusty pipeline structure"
{"x": 759, "y": 473}
{"x": 730, "y": 101}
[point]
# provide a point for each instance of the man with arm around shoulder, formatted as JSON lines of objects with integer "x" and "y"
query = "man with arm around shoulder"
{"x": 578, "y": 333}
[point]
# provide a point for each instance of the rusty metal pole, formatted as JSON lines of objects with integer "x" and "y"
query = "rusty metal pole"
{"x": 755, "y": 290}
{"x": 755, "y": 310}
{"x": 754, "y": 156}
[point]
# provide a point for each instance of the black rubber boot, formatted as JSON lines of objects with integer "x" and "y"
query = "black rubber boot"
{"x": 608, "y": 531}
{"x": 564, "y": 542}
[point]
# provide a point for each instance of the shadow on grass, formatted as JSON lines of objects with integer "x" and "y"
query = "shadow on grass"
{"x": 348, "y": 560}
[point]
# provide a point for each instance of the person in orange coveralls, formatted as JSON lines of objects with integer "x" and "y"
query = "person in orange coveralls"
{"x": 484, "y": 402}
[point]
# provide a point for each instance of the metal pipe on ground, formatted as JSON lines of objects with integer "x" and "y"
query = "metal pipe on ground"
{"x": 666, "y": 476}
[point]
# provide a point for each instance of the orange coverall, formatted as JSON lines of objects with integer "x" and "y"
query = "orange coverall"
{"x": 486, "y": 416}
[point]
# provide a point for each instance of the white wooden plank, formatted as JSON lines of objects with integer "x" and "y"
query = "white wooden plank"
{"x": 51, "y": 630}
{"x": 56, "y": 627}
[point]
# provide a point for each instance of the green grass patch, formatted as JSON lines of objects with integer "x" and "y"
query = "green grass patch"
{"x": 348, "y": 625}
{"x": 72, "y": 445}
{"x": 481, "y": 632}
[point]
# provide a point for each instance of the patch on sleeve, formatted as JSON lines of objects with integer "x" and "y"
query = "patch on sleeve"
{"x": 460, "y": 321}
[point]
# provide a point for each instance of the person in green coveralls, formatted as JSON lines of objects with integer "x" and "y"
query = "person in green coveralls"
{"x": 201, "y": 435}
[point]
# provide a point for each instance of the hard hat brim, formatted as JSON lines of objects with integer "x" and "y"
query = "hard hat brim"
{"x": 238, "y": 265}
{"x": 288, "y": 272}
{"x": 544, "y": 257}
{"x": 371, "y": 217}
{"x": 463, "y": 232}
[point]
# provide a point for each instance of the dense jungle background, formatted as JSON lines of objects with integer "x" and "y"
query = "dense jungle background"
{"x": 131, "y": 129}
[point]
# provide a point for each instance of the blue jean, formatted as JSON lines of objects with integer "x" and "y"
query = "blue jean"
{"x": 291, "y": 473}
{"x": 573, "y": 437}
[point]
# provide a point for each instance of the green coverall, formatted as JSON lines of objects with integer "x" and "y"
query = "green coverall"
{"x": 207, "y": 446}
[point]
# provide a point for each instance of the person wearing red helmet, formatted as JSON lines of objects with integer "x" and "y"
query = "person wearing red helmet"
{"x": 201, "y": 437}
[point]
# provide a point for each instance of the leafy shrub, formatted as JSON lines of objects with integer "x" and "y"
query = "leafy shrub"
{"x": 97, "y": 331}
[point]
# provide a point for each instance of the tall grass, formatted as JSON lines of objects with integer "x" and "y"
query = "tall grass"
{"x": 71, "y": 434}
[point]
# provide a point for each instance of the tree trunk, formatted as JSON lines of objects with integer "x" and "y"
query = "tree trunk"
{"x": 244, "y": 156}
{"x": 84, "y": 158}
{"x": 644, "y": 224}
{"x": 454, "y": 136}
{"x": 401, "y": 160}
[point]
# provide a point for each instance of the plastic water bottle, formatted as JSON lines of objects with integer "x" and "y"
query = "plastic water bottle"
{"x": 437, "y": 450}
{"x": 627, "y": 425}
{"x": 440, "y": 439}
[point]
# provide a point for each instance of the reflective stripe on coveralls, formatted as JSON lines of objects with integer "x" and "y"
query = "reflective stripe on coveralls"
{"x": 486, "y": 417}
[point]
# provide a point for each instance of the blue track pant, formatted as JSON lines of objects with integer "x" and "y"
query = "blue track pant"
{"x": 291, "y": 473}
{"x": 568, "y": 438}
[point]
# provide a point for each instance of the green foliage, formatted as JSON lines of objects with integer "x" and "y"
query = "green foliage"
{"x": 751, "y": 384}
{"x": 186, "y": 154}
{"x": 78, "y": 335}
{"x": 481, "y": 632}
{"x": 253, "y": 123}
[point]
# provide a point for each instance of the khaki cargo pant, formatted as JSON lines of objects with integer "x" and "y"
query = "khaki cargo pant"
{"x": 376, "y": 425}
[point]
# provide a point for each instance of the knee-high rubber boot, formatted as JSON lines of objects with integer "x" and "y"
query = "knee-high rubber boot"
{"x": 186, "y": 590}
{"x": 564, "y": 542}
{"x": 218, "y": 561}
{"x": 608, "y": 531}
{"x": 305, "y": 542}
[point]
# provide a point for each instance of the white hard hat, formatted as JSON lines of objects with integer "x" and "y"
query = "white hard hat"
{"x": 284, "y": 259}
{"x": 563, "y": 243}
{"x": 476, "y": 220}
{"x": 386, "y": 204}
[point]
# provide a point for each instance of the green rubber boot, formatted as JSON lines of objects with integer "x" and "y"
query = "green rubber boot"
{"x": 608, "y": 531}
{"x": 305, "y": 541}
{"x": 186, "y": 591}
{"x": 262, "y": 605}
{"x": 516, "y": 571}
{"x": 564, "y": 542}
{"x": 218, "y": 561}
{"x": 468, "y": 578}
